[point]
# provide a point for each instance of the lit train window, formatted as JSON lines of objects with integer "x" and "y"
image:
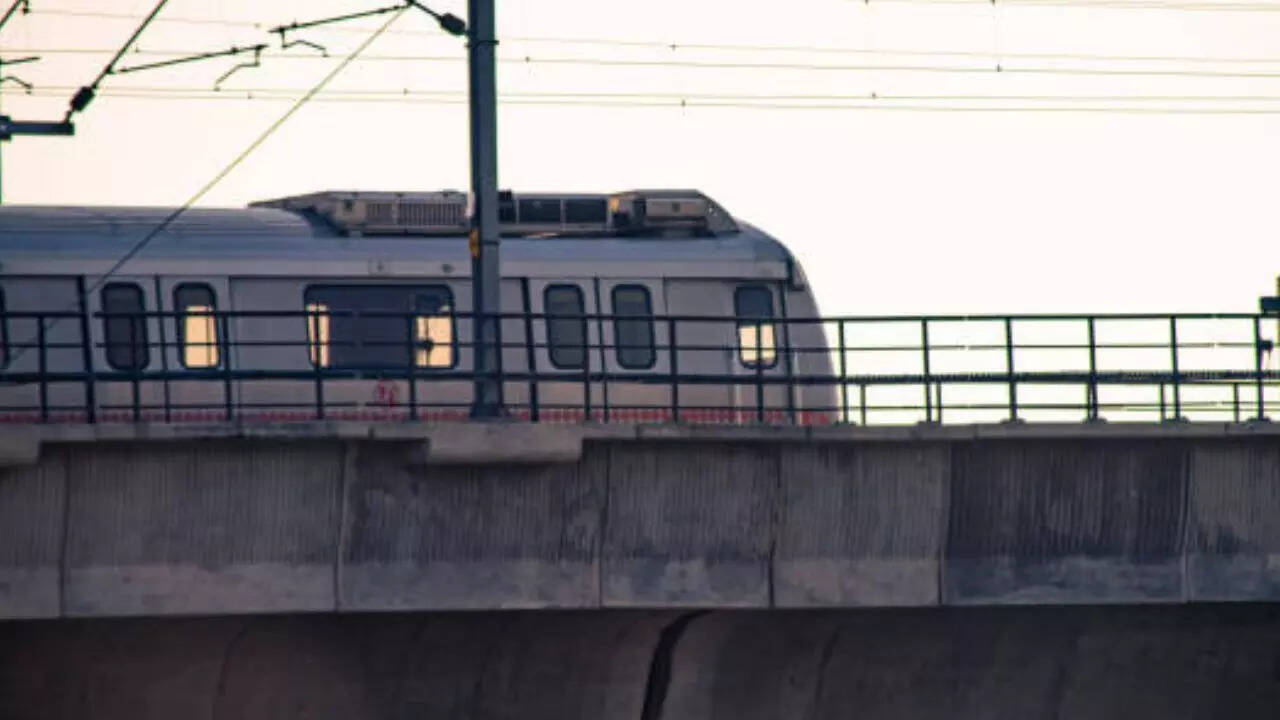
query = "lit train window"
{"x": 124, "y": 326}
{"x": 566, "y": 336}
{"x": 318, "y": 333}
{"x": 4, "y": 334}
{"x": 195, "y": 306}
{"x": 433, "y": 332}
{"x": 633, "y": 327}
{"x": 754, "y": 303}
{"x": 366, "y": 327}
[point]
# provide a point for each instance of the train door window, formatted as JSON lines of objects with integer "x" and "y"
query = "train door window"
{"x": 753, "y": 305}
{"x": 4, "y": 333}
{"x": 195, "y": 306}
{"x": 633, "y": 327}
{"x": 379, "y": 326}
{"x": 124, "y": 326}
{"x": 566, "y": 326}
{"x": 433, "y": 329}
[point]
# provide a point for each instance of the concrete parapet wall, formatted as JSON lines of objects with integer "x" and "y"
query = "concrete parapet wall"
{"x": 161, "y": 521}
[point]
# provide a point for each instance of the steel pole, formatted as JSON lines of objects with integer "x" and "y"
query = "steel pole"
{"x": 485, "y": 276}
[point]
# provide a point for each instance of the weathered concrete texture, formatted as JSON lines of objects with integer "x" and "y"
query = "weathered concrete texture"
{"x": 862, "y": 524}
{"x": 201, "y": 528}
{"x": 1090, "y": 663}
{"x": 1233, "y": 524}
{"x": 1005, "y": 663}
{"x": 31, "y": 508}
{"x": 442, "y": 537}
{"x": 445, "y": 665}
{"x": 1066, "y": 522}
{"x": 718, "y": 518}
{"x": 689, "y": 525}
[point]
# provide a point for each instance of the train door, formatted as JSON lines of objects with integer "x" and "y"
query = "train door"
{"x": 195, "y": 345}
{"x": 706, "y": 347}
{"x": 566, "y": 348}
{"x": 761, "y": 359}
{"x": 635, "y": 349}
{"x": 124, "y": 331}
{"x": 742, "y": 345}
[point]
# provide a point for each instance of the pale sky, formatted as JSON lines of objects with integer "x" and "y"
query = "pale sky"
{"x": 941, "y": 207}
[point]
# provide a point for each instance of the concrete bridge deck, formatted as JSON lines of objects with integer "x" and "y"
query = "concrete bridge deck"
{"x": 156, "y": 520}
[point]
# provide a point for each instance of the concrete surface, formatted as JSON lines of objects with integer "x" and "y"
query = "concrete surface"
{"x": 996, "y": 663}
{"x": 181, "y": 520}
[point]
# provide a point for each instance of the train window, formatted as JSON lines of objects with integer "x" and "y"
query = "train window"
{"x": 318, "y": 333}
{"x": 756, "y": 348}
{"x": 195, "y": 306}
{"x": 566, "y": 334}
{"x": 124, "y": 326}
{"x": 633, "y": 326}
{"x": 4, "y": 334}
{"x": 380, "y": 326}
{"x": 433, "y": 332}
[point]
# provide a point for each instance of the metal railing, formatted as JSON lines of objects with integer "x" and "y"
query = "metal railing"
{"x": 859, "y": 370}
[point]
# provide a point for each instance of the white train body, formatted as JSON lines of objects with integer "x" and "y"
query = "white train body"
{"x": 335, "y": 253}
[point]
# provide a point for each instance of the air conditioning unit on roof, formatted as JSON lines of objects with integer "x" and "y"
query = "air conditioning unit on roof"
{"x": 383, "y": 213}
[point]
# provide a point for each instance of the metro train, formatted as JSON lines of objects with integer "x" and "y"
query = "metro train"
{"x": 355, "y": 305}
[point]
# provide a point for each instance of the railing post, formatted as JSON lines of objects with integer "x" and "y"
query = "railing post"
{"x": 586, "y": 369}
{"x": 135, "y": 370}
{"x": 1163, "y": 411}
{"x": 844, "y": 386}
{"x": 1235, "y": 402}
{"x": 1008, "y": 364}
{"x": 924, "y": 347}
{"x": 1092, "y": 411}
{"x": 530, "y": 355}
{"x": 1173, "y": 359}
{"x": 86, "y": 354}
{"x": 44, "y": 370}
{"x": 1257, "y": 368}
{"x": 862, "y": 403}
{"x": 674, "y": 366}
{"x": 411, "y": 371}
{"x": 760, "y": 372}
{"x": 317, "y": 355}
{"x": 223, "y": 346}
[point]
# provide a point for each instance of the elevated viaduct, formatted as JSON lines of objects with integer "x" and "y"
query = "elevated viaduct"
{"x": 486, "y": 571}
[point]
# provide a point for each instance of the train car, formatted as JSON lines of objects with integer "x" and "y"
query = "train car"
{"x": 357, "y": 305}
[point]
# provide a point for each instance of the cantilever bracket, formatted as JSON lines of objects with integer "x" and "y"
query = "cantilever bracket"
{"x": 10, "y": 127}
{"x": 15, "y": 79}
{"x": 324, "y": 52}
{"x": 256, "y": 62}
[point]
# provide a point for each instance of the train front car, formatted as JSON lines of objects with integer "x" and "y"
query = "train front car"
{"x": 643, "y": 306}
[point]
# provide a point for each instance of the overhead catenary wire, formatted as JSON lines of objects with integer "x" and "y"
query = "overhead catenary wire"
{"x": 85, "y": 94}
{"x": 994, "y": 68}
{"x": 24, "y": 5}
{"x": 731, "y": 47}
{"x": 243, "y": 154}
{"x": 896, "y": 103}
{"x": 1169, "y": 5}
{"x": 235, "y": 162}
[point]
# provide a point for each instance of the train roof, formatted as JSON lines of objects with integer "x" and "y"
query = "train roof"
{"x": 32, "y": 232}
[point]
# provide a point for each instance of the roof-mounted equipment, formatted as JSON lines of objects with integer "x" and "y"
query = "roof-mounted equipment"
{"x": 664, "y": 212}
{"x": 383, "y": 213}
{"x": 635, "y": 213}
{"x": 532, "y": 214}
